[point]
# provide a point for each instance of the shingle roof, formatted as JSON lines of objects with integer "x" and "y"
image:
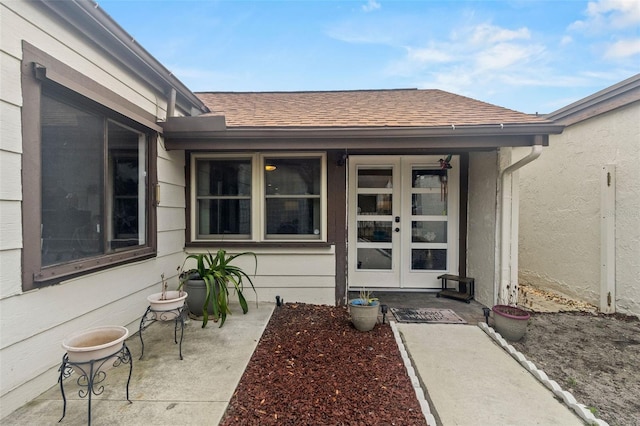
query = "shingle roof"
{"x": 358, "y": 108}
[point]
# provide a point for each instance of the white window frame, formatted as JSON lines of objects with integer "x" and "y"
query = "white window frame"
{"x": 258, "y": 195}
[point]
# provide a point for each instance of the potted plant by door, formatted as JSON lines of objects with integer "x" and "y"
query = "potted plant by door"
{"x": 510, "y": 321}
{"x": 364, "y": 311}
{"x": 208, "y": 284}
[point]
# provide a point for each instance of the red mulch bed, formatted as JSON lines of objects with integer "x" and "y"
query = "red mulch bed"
{"x": 312, "y": 367}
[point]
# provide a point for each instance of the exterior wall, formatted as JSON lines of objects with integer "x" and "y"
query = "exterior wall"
{"x": 33, "y": 324}
{"x": 560, "y": 209}
{"x": 481, "y": 234}
{"x": 304, "y": 275}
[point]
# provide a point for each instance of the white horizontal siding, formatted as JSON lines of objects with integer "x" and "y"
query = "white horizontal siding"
{"x": 171, "y": 242}
{"x": 170, "y": 172}
{"x": 172, "y": 195}
{"x": 306, "y": 275}
{"x": 10, "y": 176}
{"x": 171, "y": 219}
{"x": 10, "y": 274}
{"x": 10, "y": 129}
{"x": 10, "y": 91}
{"x": 10, "y": 225}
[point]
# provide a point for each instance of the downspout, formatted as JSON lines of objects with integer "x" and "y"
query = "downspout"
{"x": 503, "y": 291}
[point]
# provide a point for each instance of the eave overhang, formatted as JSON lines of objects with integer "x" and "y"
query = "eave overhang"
{"x": 96, "y": 25}
{"x": 196, "y": 134}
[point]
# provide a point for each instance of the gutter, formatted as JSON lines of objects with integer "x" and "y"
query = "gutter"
{"x": 505, "y": 292}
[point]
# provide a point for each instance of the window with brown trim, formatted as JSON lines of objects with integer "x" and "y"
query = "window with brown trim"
{"x": 87, "y": 176}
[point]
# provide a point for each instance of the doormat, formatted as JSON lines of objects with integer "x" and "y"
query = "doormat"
{"x": 427, "y": 315}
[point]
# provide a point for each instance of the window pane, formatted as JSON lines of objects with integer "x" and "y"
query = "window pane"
{"x": 127, "y": 175}
{"x": 293, "y": 216}
{"x": 224, "y": 217}
{"x": 224, "y": 197}
{"x": 292, "y": 176}
{"x": 429, "y": 204}
{"x": 72, "y": 194}
{"x": 224, "y": 177}
{"x": 428, "y": 178}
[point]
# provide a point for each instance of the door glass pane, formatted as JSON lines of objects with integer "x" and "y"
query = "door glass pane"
{"x": 72, "y": 189}
{"x": 429, "y": 259}
{"x": 429, "y": 204}
{"x": 427, "y": 178}
{"x": 375, "y": 178}
{"x": 377, "y": 231}
{"x": 374, "y": 204}
{"x": 224, "y": 217}
{"x": 428, "y": 232}
{"x": 371, "y": 258}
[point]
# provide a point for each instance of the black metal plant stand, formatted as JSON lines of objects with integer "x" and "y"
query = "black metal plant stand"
{"x": 177, "y": 315}
{"x": 91, "y": 375}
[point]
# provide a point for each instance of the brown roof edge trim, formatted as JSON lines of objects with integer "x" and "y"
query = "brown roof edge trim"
{"x": 368, "y": 132}
{"x": 628, "y": 86}
{"x": 97, "y": 25}
{"x": 370, "y": 144}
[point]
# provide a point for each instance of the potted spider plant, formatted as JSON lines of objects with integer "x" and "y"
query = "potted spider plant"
{"x": 364, "y": 311}
{"x": 210, "y": 282}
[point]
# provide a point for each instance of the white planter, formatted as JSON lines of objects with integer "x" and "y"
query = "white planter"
{"x": 173, "y": 302}
{"x": 510, "y": 322}
{"x": 94, "y": 343}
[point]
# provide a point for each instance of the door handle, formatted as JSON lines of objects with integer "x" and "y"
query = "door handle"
{"x": 397, "y": 229}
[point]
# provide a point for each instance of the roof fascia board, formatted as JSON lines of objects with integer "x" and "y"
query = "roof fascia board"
{"x": 616, "y": 96}
{"x": 369, "y": 144}
{"x": 99, "y": 27}
{"x": 172, "y": 129}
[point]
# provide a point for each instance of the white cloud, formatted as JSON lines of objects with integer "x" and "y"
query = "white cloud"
{"x": 566, "y": 40}
{"x": 623, "y": 49}
{"x": 428, "y": 55}
{"x": 609, "y": 14}
{"x": 371, "y": 6}
{"x": 486, "y": 33}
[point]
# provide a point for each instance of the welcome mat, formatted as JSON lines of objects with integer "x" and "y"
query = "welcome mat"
{"x": 427, "y": 315}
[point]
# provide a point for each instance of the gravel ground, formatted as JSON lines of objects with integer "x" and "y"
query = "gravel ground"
{"x": 311, "y": 367}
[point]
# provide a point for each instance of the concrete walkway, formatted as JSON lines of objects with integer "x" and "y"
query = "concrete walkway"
{"x": 164, "y": 390}
{"x": 472, "y": 381}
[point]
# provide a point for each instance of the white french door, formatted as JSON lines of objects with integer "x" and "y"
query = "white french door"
{"x": 402, "y": 220}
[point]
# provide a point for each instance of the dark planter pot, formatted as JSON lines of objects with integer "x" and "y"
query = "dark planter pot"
{"x": 197, "y": 291}
{"x": 510, "y": 322}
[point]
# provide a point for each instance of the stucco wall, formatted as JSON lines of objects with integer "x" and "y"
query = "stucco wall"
{"x": 481, "y": 254}
{"x": 560, "y": 209}
{"x": 33, "y": 324}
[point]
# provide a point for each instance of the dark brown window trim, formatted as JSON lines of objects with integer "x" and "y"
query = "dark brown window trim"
{"x": 33, "y": 76}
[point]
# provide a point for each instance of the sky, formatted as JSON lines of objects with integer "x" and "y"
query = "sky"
{"x": 530, "y": 56}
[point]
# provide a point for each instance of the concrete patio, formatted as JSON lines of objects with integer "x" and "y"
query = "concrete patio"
{"x": 164, "y": 390}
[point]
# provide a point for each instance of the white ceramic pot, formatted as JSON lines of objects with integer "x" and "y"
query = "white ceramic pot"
{"x": 94, "y": 343}
{"x": 510, "y": 322}
{"x": 174, "y": 300}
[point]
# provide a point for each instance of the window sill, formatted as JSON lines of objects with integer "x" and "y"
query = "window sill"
{"x": 262, "y": 244}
